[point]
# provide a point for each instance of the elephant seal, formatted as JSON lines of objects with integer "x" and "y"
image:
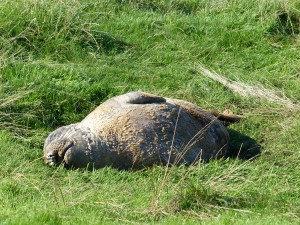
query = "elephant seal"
{"x": 137, "y": 130}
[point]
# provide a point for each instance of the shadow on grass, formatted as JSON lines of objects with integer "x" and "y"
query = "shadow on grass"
{"x": 287, "y": 23}
{"x": 102, "y": 42}
{"x": 242, "y": 146}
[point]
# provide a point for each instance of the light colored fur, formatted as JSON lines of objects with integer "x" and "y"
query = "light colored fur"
{"x": 136, "y": 130}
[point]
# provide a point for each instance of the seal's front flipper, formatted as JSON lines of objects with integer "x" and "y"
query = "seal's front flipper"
{"x": 227, "y": 118}
{"x": 139, "y": 98}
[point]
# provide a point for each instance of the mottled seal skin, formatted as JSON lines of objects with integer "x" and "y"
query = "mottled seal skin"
{"x": 137, "y": 130}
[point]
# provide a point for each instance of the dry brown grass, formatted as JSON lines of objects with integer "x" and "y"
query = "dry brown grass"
{"x": 246, "y": 90}
{"x": 12, "y": 120}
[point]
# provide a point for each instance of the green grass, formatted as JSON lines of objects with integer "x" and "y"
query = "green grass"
{"x": 60, "y": 59}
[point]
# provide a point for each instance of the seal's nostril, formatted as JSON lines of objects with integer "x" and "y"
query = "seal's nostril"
{"x": 50, "y": 159}
{"x": 50, "y": 156}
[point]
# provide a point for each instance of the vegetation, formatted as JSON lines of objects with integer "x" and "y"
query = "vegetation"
{"x": 60, "y": 59}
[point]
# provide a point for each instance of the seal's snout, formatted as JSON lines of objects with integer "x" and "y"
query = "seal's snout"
{"x": 50, "y": 159}
{"x": 55, "y": 151}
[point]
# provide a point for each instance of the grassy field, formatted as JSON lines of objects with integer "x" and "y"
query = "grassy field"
{"x": 60, "y": 59}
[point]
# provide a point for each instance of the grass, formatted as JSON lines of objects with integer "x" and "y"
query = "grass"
{"x": 60, "y": 59}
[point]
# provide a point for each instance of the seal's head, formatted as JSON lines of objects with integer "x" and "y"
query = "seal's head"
{"x": 69, "y": 146}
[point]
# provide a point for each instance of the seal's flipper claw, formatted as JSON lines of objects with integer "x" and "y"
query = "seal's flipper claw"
{"x": 226, "y": 118}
